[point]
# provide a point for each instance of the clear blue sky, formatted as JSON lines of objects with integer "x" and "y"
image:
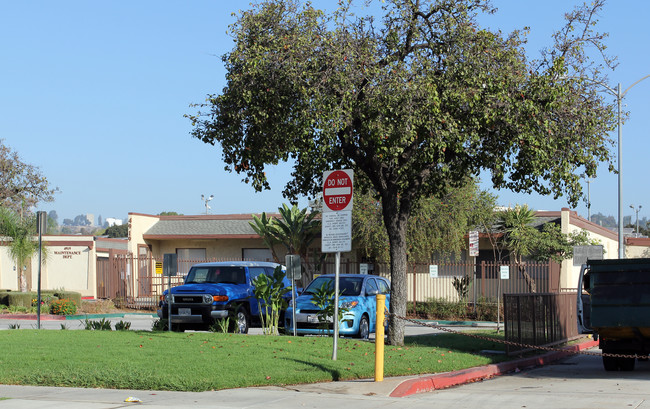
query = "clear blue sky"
{"x": 94, "y": 94}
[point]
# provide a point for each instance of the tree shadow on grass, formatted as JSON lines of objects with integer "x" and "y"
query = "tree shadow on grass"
{"x": 336, "y": 375}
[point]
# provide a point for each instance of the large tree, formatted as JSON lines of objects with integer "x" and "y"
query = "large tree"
{"x": 21, "y": 185}
{"x": 414, "y": 102}
{"x": 437, "y": 225}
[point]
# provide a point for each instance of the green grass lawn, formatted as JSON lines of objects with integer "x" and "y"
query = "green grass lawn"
{"x": 210, "y": 361}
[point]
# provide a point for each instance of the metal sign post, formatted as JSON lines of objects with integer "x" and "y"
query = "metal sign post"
{"x": 337, "y": 228}
{"x": 41, "y": 224}
{"x": 335, "y": 318}
{"x": 294, "y": 273}
{"x": 170, "y": 268}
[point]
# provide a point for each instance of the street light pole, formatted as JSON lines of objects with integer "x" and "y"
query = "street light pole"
{"x": 619, "y": 98}
{"x": 636, "y": 210}
{"x": 621, "y": 249}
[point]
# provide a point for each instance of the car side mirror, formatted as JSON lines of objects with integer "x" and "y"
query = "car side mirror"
{"x": 372, "y": 292}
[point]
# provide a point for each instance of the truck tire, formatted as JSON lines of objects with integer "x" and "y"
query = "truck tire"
{"x": 627, "y": 364}
{"x": 617, "y": 363}
{"x": 610, "y": 363}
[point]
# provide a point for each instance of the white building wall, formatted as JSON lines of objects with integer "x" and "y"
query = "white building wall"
{"x": 68, "y": 264}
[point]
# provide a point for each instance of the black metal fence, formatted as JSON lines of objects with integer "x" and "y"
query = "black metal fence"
{"x": 539, "y": 319}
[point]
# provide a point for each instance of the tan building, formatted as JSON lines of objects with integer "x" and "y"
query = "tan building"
{"x": 110, "y": 268}
{"x": 69, "y": 264}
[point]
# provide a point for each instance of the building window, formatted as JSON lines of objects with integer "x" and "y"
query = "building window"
{"x": 188, "y": 257}
{"x": 257, "y": 254}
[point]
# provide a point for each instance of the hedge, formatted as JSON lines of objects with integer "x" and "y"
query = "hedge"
{"x": 70, "y": 295}
{"x": 20, "y": 299}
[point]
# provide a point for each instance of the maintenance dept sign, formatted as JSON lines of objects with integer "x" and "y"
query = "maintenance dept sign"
{"x": 337, "y": 211}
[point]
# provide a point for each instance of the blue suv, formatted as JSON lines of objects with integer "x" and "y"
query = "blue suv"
{"x": 358, "y": 296}
{"x": 214, "y": 291}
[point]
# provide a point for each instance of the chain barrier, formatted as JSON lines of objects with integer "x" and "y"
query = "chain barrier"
{"x": 512, "y": 343}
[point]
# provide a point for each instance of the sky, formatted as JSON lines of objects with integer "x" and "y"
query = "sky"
{"x": 94, "y": 93}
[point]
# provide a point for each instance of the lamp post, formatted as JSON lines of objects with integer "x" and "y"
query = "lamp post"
{"x": 619, "y": 97}
{"x": 206, "y": 200}
{"x": 636, "y": 209}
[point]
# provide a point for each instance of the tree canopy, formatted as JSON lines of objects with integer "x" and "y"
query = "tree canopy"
{"x": 21, "y": 185}
{"x": 415, "y": 102}
{"x": 437, "y": 224}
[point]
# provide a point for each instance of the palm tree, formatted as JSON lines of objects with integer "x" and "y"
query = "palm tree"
{"x": 516, "y": 225}
{"x": 21, "y": 231}
{"x": 295, "y": 229}
{"x": 265, "y": 227}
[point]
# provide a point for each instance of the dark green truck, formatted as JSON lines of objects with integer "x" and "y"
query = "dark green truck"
{"x": 616, "y": 309}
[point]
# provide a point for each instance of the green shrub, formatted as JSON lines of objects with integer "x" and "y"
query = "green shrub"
{"x": 3, "y": 297}
{"x": 159, "y": 325}
{"x": 442, "y": 309}
{"x": 69, "y": 295}
{"x": 17, "y": 308}
{"x": 101, "y": 325}
{"x": 122, "y": 326}
{"x": 63, "y": 306}
{"x": 19, "y": 299}
{"x": 221, "y": 325}
{"x": 487, "y": 311}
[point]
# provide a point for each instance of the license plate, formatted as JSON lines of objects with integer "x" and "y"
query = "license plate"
{"x": 312, "y": 319}
{"x": 184, "y": 311}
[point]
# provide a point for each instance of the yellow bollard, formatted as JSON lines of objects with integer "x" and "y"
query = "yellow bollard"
{"x": 379, "y": 338}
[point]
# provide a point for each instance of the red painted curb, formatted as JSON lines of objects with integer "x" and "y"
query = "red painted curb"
{"x": 44, "y": 317}
{"x": 448, "y": 379}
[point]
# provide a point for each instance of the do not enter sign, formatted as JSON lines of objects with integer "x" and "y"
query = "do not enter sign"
{"x": 337, "y": 190}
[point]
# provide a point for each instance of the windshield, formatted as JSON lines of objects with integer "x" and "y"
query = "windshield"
{"x": 347, "y": 285}
{"x": 216, "y": 275}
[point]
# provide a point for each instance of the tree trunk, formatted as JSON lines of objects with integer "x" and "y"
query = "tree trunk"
{"x": 530, "y": 282}
{"x": 395, "y": 219}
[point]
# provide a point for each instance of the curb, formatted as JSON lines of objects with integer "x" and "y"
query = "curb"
{"x": 461, "y": 323}
{"x": 449, "y": 379}
{"x": 117, "y": 315}
{"x": 51, "y": 317}
{"x": 44, "y": 317}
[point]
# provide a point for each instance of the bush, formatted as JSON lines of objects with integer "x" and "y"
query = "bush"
{"x": 69, "y": 295}
{"x": 63, "y": 306}
{"x": 159, "y": 325}
{"x": 101, "y": 325}
{"x": 122, "y": 326}
{"x": 18, "y": 299}
{"x": 441, "y": 309}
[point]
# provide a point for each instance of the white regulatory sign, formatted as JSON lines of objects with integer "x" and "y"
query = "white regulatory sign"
{"x": 337, "y": 232}
{"x": 433, "y": 271}
{"x": 505, "y": 272}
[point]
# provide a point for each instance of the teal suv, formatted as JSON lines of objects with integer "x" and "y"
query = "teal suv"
{"x": 358, "y": 296}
